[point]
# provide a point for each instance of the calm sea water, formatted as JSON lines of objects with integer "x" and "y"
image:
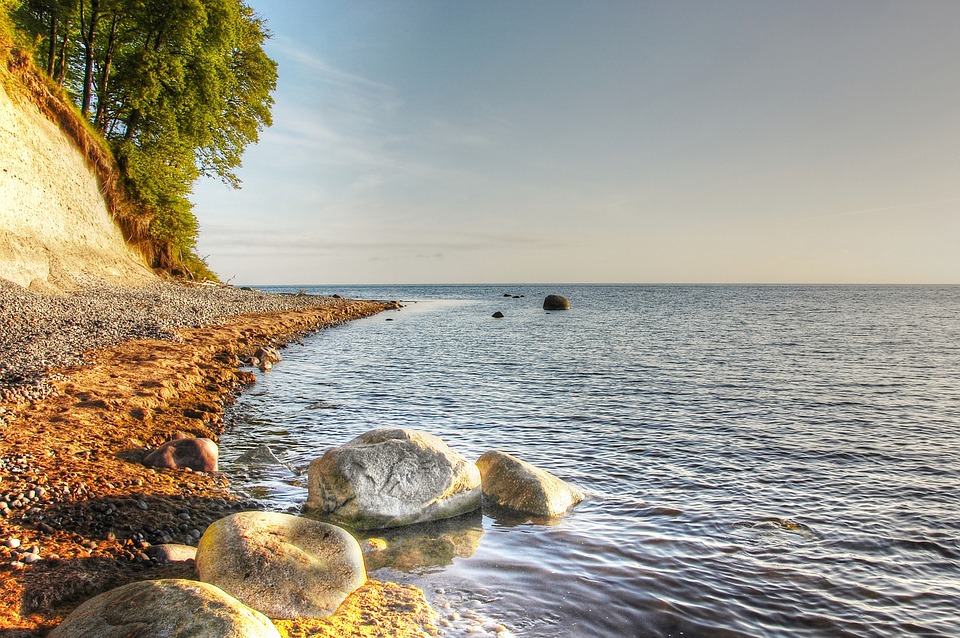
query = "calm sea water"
{"x": 761, "y": 461}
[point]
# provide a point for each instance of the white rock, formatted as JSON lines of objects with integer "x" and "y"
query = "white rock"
{"x": 392, "y": 477}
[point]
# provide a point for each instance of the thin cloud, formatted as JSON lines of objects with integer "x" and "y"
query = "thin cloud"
{"x": 884, "y": 209}
{"x": 231, "y": 241}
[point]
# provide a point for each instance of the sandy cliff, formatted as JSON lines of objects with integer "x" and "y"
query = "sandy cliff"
{"x": 55, "y": 229}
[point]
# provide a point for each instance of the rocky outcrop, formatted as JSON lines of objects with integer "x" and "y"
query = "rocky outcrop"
{"x": 518, "y": 486}
{"x": 285, "y": 566}
{"x": 198, "y": 454}
{"x": 392, "y": 477}
{"x": 169, "y": 608}
{"x": 556, "y": 302}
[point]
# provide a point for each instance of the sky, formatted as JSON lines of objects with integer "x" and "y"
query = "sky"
{"x": 550, "y": 141}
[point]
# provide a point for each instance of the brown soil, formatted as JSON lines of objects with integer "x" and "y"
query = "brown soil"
{"x": 73, "y": 485}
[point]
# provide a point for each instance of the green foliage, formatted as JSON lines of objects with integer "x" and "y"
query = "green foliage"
{"x": 179, "y": 88}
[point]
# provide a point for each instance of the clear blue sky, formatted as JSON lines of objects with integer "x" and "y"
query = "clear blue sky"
{"x": 554, "y": 141}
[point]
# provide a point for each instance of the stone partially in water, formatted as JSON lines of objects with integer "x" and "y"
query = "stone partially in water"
{"x": 516, "y": 485}
{"x": 260, "y": 455}
{"x": 392, "y": 477}
{"x": 170, "y": 608}
{"x": 556, "y": 302}
{"x": 285, "y": 566}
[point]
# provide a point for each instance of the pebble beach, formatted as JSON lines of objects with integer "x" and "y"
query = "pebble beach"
{"x": 92, "y": 380}
{"x": 39, "y": 332}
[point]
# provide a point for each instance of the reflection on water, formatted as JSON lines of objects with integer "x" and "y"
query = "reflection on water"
{"x": 415, "y": 548}
{"x": 761, "y": 461}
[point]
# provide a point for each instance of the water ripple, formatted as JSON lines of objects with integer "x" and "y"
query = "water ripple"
{"x": 775, "y": 461}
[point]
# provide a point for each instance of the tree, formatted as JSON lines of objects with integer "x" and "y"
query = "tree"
{"x": 179, "y": 88}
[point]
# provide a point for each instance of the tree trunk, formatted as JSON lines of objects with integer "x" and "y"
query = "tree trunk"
{"x": 62, "y": 61}
{"x": 52, "y": 48}
{"x": 101, "y": 120}
{"x": 89, "y": 32}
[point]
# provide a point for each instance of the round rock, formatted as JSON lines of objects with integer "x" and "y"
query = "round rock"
{"x": 556, "y": 302}
{"x": 201, "y": 455}
{"x": 171, "y": 553}
{"x": 170, "y": 608}
{"x": 392, "y": 477}
{"x": 285, "y": 566}
{"x": 514, "y": 484}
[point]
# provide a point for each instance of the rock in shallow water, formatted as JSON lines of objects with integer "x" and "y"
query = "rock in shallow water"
{"x": 285, "y": 566}
{"x": 392, "y": 477}
{"x": 516, "y": 485}
{"x": 169, "y": 608}
{"x": 556, "y": 302}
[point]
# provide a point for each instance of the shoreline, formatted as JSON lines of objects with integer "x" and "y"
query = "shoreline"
{"x": 74, "y": 488}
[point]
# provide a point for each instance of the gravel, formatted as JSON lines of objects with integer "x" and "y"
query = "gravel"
{"x": 40, "y": 333}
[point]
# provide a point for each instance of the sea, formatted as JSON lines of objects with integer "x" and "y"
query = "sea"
{"x": 759, "y": 460}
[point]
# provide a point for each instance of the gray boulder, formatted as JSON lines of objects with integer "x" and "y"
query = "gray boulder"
{"x": 201, "y": 455}
{"x": 518, "y": 486}
{"x": 392, "y": 477}
{"x": 170, "y": 608}
{"x": 285, "y": 566}
{"x": 556, "y": 302}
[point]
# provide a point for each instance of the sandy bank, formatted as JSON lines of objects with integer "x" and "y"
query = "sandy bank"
{"x": 73, "y": 488}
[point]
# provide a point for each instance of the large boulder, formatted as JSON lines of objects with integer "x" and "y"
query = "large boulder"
{"x": 285, "y": 566}
{"x": 201, "y": 455}
{"x": 556, "y": 302}
{"x": 518, "y": 486}
{"x": 392, "y": 477}
{"x": 170, "y": 608}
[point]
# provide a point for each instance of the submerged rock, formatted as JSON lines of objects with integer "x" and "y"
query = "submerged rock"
{"x": 198, "y": 454}
{"x": 171, "y": 608}
{"x": 556, "y": 302}
{"x": 518, "y": 486}
{"x": 286, "y": 566}
{"x": 260, "y": 455}
{"x": 392, "y": 477}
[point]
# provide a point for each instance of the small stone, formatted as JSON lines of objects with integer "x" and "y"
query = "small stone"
{"x": 30, "y": 559}
{"x": 143, "y": 505}
{"x": 12, "y": 543}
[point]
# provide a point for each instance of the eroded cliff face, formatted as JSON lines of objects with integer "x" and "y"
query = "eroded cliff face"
{"x": 55, "y": 229}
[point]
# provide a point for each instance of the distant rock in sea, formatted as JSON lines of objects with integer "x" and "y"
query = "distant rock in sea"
{"x": 556, "y": 302}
